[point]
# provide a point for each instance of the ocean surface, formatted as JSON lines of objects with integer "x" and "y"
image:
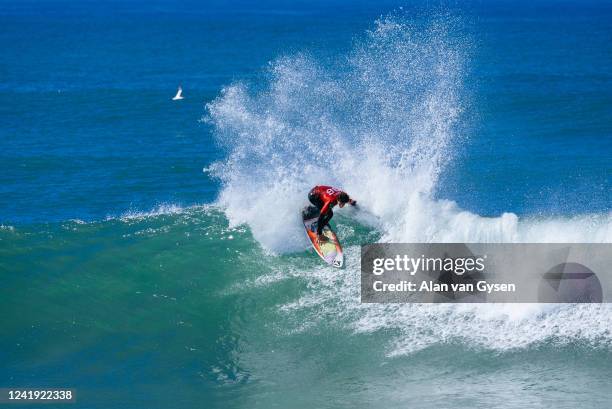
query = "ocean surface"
{"x": 151, "y": 252}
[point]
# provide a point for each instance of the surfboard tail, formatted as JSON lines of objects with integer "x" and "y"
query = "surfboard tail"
{"x": 331, "y": 250}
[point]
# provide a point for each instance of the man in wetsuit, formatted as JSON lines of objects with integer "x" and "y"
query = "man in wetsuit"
{"x": 324, "y": 198}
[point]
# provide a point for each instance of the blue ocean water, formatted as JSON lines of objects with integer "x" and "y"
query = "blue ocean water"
{"x": 149, "y": 246}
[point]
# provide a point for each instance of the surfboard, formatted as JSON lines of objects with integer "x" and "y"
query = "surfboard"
{"x": 331, "y": 250}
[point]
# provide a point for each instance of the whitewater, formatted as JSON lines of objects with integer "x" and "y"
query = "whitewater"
{"x": 383, "y": 126}
{"x": 383, "y": 122}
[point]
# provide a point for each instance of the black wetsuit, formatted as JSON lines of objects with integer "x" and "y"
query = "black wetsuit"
{"x": 317, "y": 197}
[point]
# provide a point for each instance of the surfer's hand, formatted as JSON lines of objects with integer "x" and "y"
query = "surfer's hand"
{"x": 353, "y": 202}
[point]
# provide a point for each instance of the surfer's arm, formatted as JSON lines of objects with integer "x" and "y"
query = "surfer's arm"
{"x": 324, "y": 217}
{"x": 325, "y": 209}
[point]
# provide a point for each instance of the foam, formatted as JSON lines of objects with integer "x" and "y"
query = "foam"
{"x": 389, "y": 122}
{"x": 413, "y": 327}
{"x": 163, "y": 209}
{"x": 384, "y": 124}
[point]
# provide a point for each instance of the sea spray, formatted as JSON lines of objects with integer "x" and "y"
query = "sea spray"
{"x": 383, "y": 123}
{"x": 384, "y": 127}
{"x": 379, "y": 120}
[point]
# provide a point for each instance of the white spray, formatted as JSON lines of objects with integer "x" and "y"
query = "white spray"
{"x": 385, "y": 119}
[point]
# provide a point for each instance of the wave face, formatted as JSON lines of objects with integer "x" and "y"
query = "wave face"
{"x": 179, "y": 297}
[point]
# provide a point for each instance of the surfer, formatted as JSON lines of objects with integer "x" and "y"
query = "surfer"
{"x": 325, "y": 198}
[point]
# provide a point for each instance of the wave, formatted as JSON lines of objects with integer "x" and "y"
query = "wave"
{"x": 381, "y": 119}
{"x": 160, "y": 210}
{"x": 382, "y": 122}
{"x": 163, "y": 209}
{"x": 414, "y": 327}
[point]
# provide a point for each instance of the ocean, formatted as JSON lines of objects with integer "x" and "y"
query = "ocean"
{"x": 152, "y": 253}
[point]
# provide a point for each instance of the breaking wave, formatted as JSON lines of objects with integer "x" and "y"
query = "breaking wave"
{"x": 383, "y": 122}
